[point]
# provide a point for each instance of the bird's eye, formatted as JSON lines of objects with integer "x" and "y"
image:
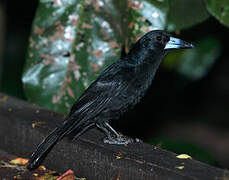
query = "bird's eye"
{"x": 158, "y": 38}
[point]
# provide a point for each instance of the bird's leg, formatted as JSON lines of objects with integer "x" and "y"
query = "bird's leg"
{"x": 113, "y": 137}
{"x": 108, "y": 126}
{"x": 105, "y": 131}
{"x": 119, "y": 139}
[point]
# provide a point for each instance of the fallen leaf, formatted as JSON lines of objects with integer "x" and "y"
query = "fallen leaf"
{"x": 51, "y": 175}
{"x": 183, "y": 156}
{"x": 180, "y": 167}
{"x": 118, "y": 176}
{"x": 4, "y": 99}
{"x": 43, "y": 168}
{"x": 68, "y": 175}
{"x": 19, "y": 161}
{"x": 37, "y": 123}
{"x": 118, "y": 157}
{"x": 17, "y": 177}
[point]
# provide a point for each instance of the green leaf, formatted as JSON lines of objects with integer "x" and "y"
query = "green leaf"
{"x": 219, "y": 9}
{"x": 185, "y": 13}
{"x": 195, "y": 63}
{"x": 71, "y": 43}
{"x": 171, "y": 15}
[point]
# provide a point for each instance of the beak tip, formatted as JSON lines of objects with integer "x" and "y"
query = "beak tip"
{"x": 175, "y": 43}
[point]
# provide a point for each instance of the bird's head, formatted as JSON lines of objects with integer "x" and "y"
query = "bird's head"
{"x": 162, "y": 41}
{"x": 154, "y": 45}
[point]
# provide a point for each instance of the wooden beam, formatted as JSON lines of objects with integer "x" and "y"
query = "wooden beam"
{"x": 89, "y": 157}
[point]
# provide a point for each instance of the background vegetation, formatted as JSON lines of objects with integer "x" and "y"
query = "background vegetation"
{"x": 72, "y": 41}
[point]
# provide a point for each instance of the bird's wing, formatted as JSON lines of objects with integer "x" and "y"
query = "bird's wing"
{"x": 108, "y": 85}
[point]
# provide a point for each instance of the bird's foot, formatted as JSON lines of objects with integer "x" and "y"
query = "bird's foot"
{"x": 120, "y": 140}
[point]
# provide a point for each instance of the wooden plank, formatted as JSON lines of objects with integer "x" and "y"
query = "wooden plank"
{"x": 89, "y": 157}
{"x": 9, "y": 170}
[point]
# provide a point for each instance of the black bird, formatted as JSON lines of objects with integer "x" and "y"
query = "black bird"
{"x": 118, "y": 88}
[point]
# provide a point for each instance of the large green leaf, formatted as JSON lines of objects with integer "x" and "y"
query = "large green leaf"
{"x": 219, "y": 9}
{"x": 185, "y": 13}
{"x": 72, "y": 41}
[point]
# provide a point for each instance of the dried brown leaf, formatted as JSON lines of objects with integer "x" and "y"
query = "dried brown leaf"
{"x": 68, "y": 175}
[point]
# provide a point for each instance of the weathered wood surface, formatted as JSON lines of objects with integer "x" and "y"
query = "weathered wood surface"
{"x": 89, "y": 157}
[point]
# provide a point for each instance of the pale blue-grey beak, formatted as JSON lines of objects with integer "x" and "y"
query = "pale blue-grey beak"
{"x": 175, "y": 43}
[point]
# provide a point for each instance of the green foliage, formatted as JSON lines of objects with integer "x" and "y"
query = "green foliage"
{"x": 219, "y": 9}
{"x": 185, "y": 13}
{"x": 181, "y": 147}
{"x": 195, "y": 63}
{"x": 72, "y": 41}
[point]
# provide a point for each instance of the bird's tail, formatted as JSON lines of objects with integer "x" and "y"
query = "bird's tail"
{"x": 43, "y": 149}
{"x": 48, "y": 143}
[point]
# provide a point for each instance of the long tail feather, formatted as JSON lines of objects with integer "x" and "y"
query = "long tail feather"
{"x": 43, "y": 149}
{"x": 49, "y": 142}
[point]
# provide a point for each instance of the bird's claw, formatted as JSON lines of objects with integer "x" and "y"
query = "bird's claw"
{"x": 121, "y": 140}
{"x": 137, "y": 140}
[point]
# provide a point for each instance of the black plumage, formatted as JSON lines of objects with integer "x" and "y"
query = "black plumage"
{"x": 118, "y": 88}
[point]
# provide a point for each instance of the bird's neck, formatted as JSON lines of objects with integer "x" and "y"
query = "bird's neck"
{"x": 146, "y": 62}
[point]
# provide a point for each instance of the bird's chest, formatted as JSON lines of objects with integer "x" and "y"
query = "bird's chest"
{"x": 133, "y": 86}
{"x": 136, "y": 88}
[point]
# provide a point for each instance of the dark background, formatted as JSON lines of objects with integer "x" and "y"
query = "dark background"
{"x": 175, "y": 113}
